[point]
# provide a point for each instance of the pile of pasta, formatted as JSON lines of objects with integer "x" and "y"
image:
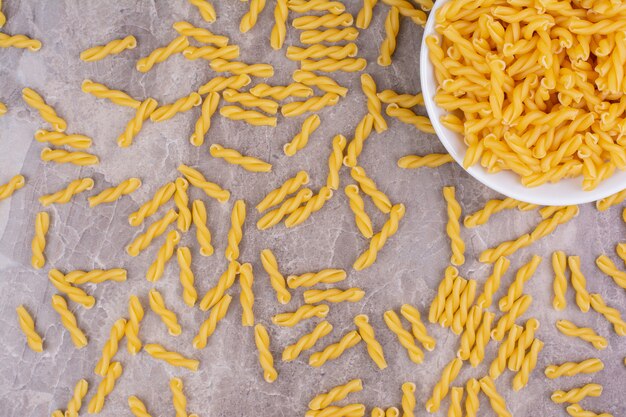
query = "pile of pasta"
{"x": 535, "y": 87}
{"x": 458, "y": 305}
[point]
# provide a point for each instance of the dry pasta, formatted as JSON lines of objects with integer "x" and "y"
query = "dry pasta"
{"x": 402, "y": 100}
{"x": 250, "y": 100}
{"x": 168, "y": 317}
{"x": 61, "y": 156}
{"x": 364, "y": 17}
{"x": 361, "y": 218}
{"x": 235, "y": 234}
{"x": 492, "y": 284}
{"x": 209, "y": 106}
{"x": 432, "y": 160}
{"x": 251, "y": 117}
{"x": 608, "y": 267}
{"x": 471, "y": 401}
{"x": 74, "y": 293}
{"x": 27, "y": 324}
{"x": 336, "y": 394}
{"x": 468, "y": 337}
{"x": 453, "y": 227}
{"x": 105, "y": 388}
{"x": 277, "y": 281}
{"x": 75, "y": 403}
{"x": 226, "y": 280}
{"x": 314, "y": 204}
{"x": 218, "y": 84}
{"x": 114, "y": 47}
{"x": 34, "y": 100}
{"x": 302, "y": 313}
{"x": 278, "y": 195}
{"x": 584, "y": 333}
{"x": 333, "y": 295}
{"x": 350, "y": 410}
{"x": 281, "y": 92}
{"x": 198, "y": 180}
{"x": 374, "y": 348}
{"x": 448, "y": 375}
{"x": 145, "y": 109}
{"x": 579, "y": 283}
{"x": 19, "y": 41}
{"x": 155, "y": 230}
{"x": 374, "y": 106}
{"x": 496, "y": 400}
{"x": 183, "y": 104}
{"x": 456, "y": 395}
{"x": 262, "y": 341}
{"x": 524, "y": 341}
{"x": 110, "y": 195}
{"x": 335, "y": 350}
{"x": 96, "y": 276}
{"x": 326, "y": 20}
{"x": 368, "y": 257}
{"x": 575, "y": 410}
{"x": 210, "y": 324}
{"x": 612, "y": 315}
{"x": 69, "y": 321}
{"x": 190, "y": 295}
{"x": 330, "y": 35}
{"x": 518, "y": 308}
{"x": 530, "y": 361}
{"x": 279, "y": 30}
{"x": 116, "y": 96}
{"x": 307, "y": 341}
{"x": 248, "y": 21}
{"x": 62, "y": 139}
{"x": 408, "y": 399}
{"x": 303, "y": 6}
{"x": 162, "y": 196}
{"x": 388, "y": 45}
{"x": 205, "y": 8}
{"x": 232, "y": 156}
{"x": 332, "y": 65}
{"x": 246, "y": 278}
{"x": 179, "y": 400}
{"x": 407, "y": 116}
{"x": 492, "y": 207}
{"x": 14, "y": 184}
{"x": 404, "y": 337}
{"x": 110, "y": 347}
{"x": 137, "y": 407}
{"x": 498, "y": 366}
{"x": 324, "y": 83}
{"x": 201, "y": 35}
{"x": 524, "y": 273}
{"x": 588, "y": 366}
{"x": 65, "y": 195}
{"x": 203, "y": 234}
{"x": 335, "y": 160}
{"x": 309, "y": 279}
{"x": 173, "y": 358}
{"x": 315, "y": 103}
{"x": 135, "y": 315}
{"x": 610, "y": 201}
{"x": 412, "y": 315}
{"x": 559, "y": 264}
{"x": 181, "y": 199}
{"x": 299, "y": 141}
{"x": 38, "y": 245}
{"x": 577, "y": 394}
{"x": 239, "y": 68}
{"x": 368, "y": 186}
{"x": 295, "y": 53}
{"x": 159, "y": 55}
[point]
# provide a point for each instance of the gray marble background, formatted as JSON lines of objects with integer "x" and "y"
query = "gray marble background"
{"x": 229, "y": 382}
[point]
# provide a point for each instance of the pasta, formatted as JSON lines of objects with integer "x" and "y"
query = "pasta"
{"x": 477, "y": 354}
{"x": 492, "y": 207}
{"x": 279, "y": 30}
{"x": 38, "y": 245}
{"x": 239, "y": 68}
{"x": 69, "y": 321}
{"x": 162, "y": 196}
{"x": 292, "y": 352}
{"x": 364, "y": 17}
{"x": 250, "y": 100}
{"x": 111, "y": 194}
{"x": 471, "y": 401}
{"x": 209, "y": 52}
{"x": 407, "y": 9}
{"x": 209, "y": 106}
{"x": 408, "y": 399}
{"x": 404, "y": 337}
{"x": 361, "y": 218}
{"x": 7, "y": 190}
{"x": 432, "y": 160}
{"x": 234, "y": 157}
{"x": 330, "y": 35}
{"x": 75, "y": 403}
{"x": 61, "y": 139}
{"x": 577, "y": 394}
{"x": 114, "y": 47}
{"x": 335, "y": 350}
{"x": 203, "y": 234}
{"x": 325, "y": 84}
{"x": 524, "y": 342}
{"x": 610, "y": 201}
{"x": 96, "y": 276}
{"x": 3, "y": 18}
{"x": 588, "y": 366}
{"x": 402, "y": 100}
{"x": 207, "y": 328}
{"x": 452, "y": 301}
{"x": 495, "y": 399}
{"x": 61, "y": 156}
{"x": 523, "y": 274}
{"x": 74, "y": 293}
{"x": 303, "y": 6}
{"x": 314, "y": 204}
{"x": 235, "y": 234}
{"x": 155, "y": 230}
{"x": 492, "y": 284}
{"x": 334, "y": 162}
{"x": 179, "y": 400}
{"x": 248, "y": 21}
{"x": 201, "y": 35}
{"x": 444, "y": 289}
{"x": 262, "y": 341}
{"x": 374, "y": 349}
{"x": 612, "y": 315}
{"x": 575, "y": 410}
{"x": 65, "y": 195}
{"x": 560, "y": 281}
{"x": 288, "y": 187}
{"x": 47, "y": 113}
{"x": 110, "y": 347}
{"x": 302, "y": 313}
{"x": 584, "y": 333}
{"x": 181, "y": 199}
{"x": 457, "y": 320}
{"x": 579, "y": 283}
{"x": 388, "y": 45}
{"x": 173, "y": 358}
{"x": 251, "y": 117}
{"x": 518, "y": 308}
{"x": 392, "y": 412}
{"x": 246, "y": 278}
{"x": 211, "y": 189}
{"x": 368, "y": 186}
{"x": 277, "y": 281}
{"x": 530, "y": 361}
{"x": 299, "y": 141}
{"x": 190, "y": 295}
{"x": 281, "y": 92}
{"x": 336, "y": 394}
{"x": 608, "y": 267}
{"x": 332, "y": 65}
{"x": 325, "y": 276}
{"x": 412, "y": 315}
{"x": 334, "y": 295}
{"x": 206, "y": 10}
{"x": 295, "y": 53}
{"x": 368, "y": 257}
{"x": 27, "y": 324}
{"x": 453, "y": 227}
{"x": 504, "y": 352}
{"x": 226, "y": 280}
{"x": 440, "y": 390}
{"x": 350, "y": 410}
{"x": 326, "y": 20}
{"x": 144, "y": 111}
{"x": 181, "y": 105}
{"x": 116, "y": 96}
{"x": 159, "y": 55}
{"x": 218, "y": 84}
{"x": 105, "y": 388}
{"x": 456, "y": 395}
{"x": 315, "y": 103}
{"x": 3, "y": 107}
{"x": 168, "y": 317}
{"x": 19, "y": 41}
{"x": 137, "y": 407}
{"x": 409, "y": 117}
{"x": 373, "y": 102}
{"x": 135, "y": 315}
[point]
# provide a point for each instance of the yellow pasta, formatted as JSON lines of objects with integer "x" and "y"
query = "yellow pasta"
{"x": 155, "y": 230}
{"x": 3, "y": 107}
{"x": 388, "y": 45}
{"x": 325, "y": 276}
{"x": 183, "y": 104}
{"x": 316, "y": 103}
{"x": 373, "y": 102}
{"x": 19, "y": 41}
{"x": 226, "y": 280}
{"x": 368, "y": 186}
{"x": 252, "y": 117}
{"x": 402, "y": 100}
{"x": 361, "y": 218}
{"x": 314, "y": 204}
{"x": 159, "y": 55}
{"x": 324, "y": 83}
{"x": 262, "y": 341}
{"x": 575, "y": 410}
{"x": 209, "y": 106}
{"x": 292, "y": 352}
{"x": 332, "y": 65}
{"x": 409, "y": 117}
{"x": 207, "y": 328}
{"x": 75, "y": 403}
{"x": 505, "y": 350}
{"x": 407, "y": 9}
{"x": 234, "y": 157}
{"x": 468, "y": 337}
{"x": 162, "y": 196}
{"x": 350, "y": 410}
{"x": 335, "y": 350}
{"x": 277, "y": 281}
{"x": 34, "y": 100}
{"x": 299, "y": 141}
{"x": 560, "y": 280}
{"x": 105, "y": 388}
{"x": 279, "y": 92}
{"x": 492, "y": 207}
{"x": 137, "y": 407}
{"x": 74, "y": 293}
{"x": 608, "y": 267}
{"x": 110, "y": 347}
{"x": 392, "y": 412}
{"x": 496, "y": 400}
{"x": 295, "y": 53}
{"x": 135, "y": 315}
{"x": 181, "y": 199}
{"x": 211, "y": 189}
{"x": 302, "y": 313}
{"x": 27, "y": 324}
{"x": 239, "y": 68}
{"x": 492, "y": 284}
{"x": 456, "y": 317}
{"x": 7, "y": 190}
{"x": 453, "y": 227}
{"x": 523, "y": 274}
{"x": 471, "y": 401}
{"x": 412, "y": 315}
{"x": 248, "y": 21}
{"x": 303, "y": 6}
{"x": 279, "y": 30}
{"x": 62, "y": 139}
{"x": 112, "y": 194}
{"x": 364, "y": 17}
{"x": 116, "y": 96}
{"x": 336, "y": 394}
{"x": 288, "y": 187}
{"x": 335, "y": 161}
{"x": 454, "y": 294}
{"x": 483, "y": 333}
{"x": 96, "y": 276}
{"x": 246, "y": 278}
{"x": 206, "y": 10}
{"x": 329, "y": 20}
{"x": 333, "y": 295}
{"x": 448, "y": 375}
{"x": 506, "y": 321}
{"x": 190, "y": 295}
{"x": 168, "y": 317}
{"x": 408, "y": 399}
{"x": 610, "y": 201}
{"x": 38, "y": 245}
{"x": 203, "y": 234}
{"x": 530, "y": 361}
{"x": 368, "y": 257}
{"x": 612, "y": 315}
{"x": 250, "y": 100}
{"x": 579, "y": 283}
{"x": 584, "y": 333}
{"x": 209, "y": 52}
{"x": 3, "y": 18}
{"x": 179, "y": 400}
{"x": 432, "y": 160}
{"x": 404, "y": 337}
{"x": 69, "y": 321}
{"x": 330, "y": 35}
{"x": 524, "y": 341}
{"x": 218, "y": 84}
{"x": 456, "y": 395}
{"x": 374, "y": 349}
{"x": 65, "y": 195}
{"x": 173, "y": 358}
{"x": 577, "y": 394}
{"x": 114, "y": 47}
{"x": 61, "y": 156}
{"x": 235, "y": 234}
{"x": 588, "y": 366}
{"x": 145, "y": 109}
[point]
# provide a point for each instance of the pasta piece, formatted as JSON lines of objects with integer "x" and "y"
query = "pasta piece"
{"x": 368, "y": 186}
{"x": 131, "y": 332}
{"x": 612, "y": 315}
{"x": 74, "y": 293}
{"x": 530, "y": 361}
{"x": 608, "y": 267}
{"x": 65, "y": 195}
{"x": 34, "y": 100}
{"x": 114, "y": 193}
{"x": 173, "y": 358}
{"x": 248, "y": 21}
{"x": 235, "y": 234}
{"x": 7, "y": 190}
{"x": 110, "y": 347}
{"x": 190, "y": 295}
{"x": 63, "y": 157}
{"x": 335, "y": 350}
{"x": 560, "y": 280}
{"x": 468, "y": 337}
{"x": 162, "y": 196}
{"x": 302, "y": 313}
{"x": 610, "y": 201}
{"x": 61, "y": 139}
{"x": 299, "y": 141}
{"x": 373, "y": 102}
{"x": 27, "y": 324}
{"x": 279, "y": 30}
{"x": 232, "y": 156}
{"x": 155, "y": 230}
{"x": 407, "y": 116}
{"x": 452, "y": 301}
{"x": 374, "y": 349}
{"x": 483, "y": 332}
{"x": 181, "y": 105}
{"x": 524, "y": 342}
{"x": 523, "y": 274}
{"x": 577, "y": 394}
{"x": 326, "y": 20}
{"x": 492, "y": 284}
{"x": 19, "y": 41}
{"x": 325, "y": 84}
{"x": 330, "y": 35}
{"x": 159, "y": 55}
{"x": 453, "y": 227}
{"x": 210, "y": 324}
{"x": 168, "y": 317}
{"x": 504, "y": 352}
{"x": 334, "y": 162}
{"x": 38, "y": 245}
{"x": 472, "y": 402}
{"x": 497, "y": 401}
{"x": 295, "y": 53}
{"x": 408, "y": 399}
{"x": 288, "y": 187}
{"x": 251, "y": 117}
{"x": 144, "y": 111}
{"x": 277, "y": 281}
{"x": 325, "y": 276}
{"x": 350, "y": 410}
{"x": 116, "y": 96}
{"x": 280, "y": 92}
{"x": 96, "y": 276}
{"x": 218, "y": 84}
{"x": 179, "y": 400}
{"x": 404, "y": 337}
{"x": 209, "y": 106}
{"x": 246, "y": 278}
{"x": 332, "y": 65}
{"x": 505, "y": 323}
{"x": 250, "y": 100}
{"x": 75, "y": 403}
{"x": 492, "y": 207}
{"x": 203, "y": 234}
{"x": 432, "y": 160}
{"x": 181, "y": 199}
{"x": 314, "y": 204}
{"x": 584, "y": 333}
{"x": 239, "y": 68}
{"x": 137, "y": 407}
{"x": 336, "y": 394}
{"x": 199, "y": 34}
{"x": 579, "y": 283}
{"x": 402, "y": 100}
{"x": 575, "y": 410}
{"x": 456, "y": 395}
{"x": 588, "y": 366}
{"x": 292, "y": 352}
{"x": 361, "y": 218}
{"x": 262, "y": 341}
{"x": 105, "y": 388}
{"x": 448, "y": 375}
{"x": 226, "y": 280}
{"x": 206, "y": 10}
{"x": 388, "y": 45}
{"x": 392, "y": 412}
{"x": 3, "y": 107}
{"x": 3, "y": 18}
{"x": 211, "y": 189}
{"x": 364, "y": 17}
{"x": 407, "y": 9}
{"x": 303, "y": 6}
{"x": 69, "y": 321}
{"x": 466, "y": 298}
{"x": 412, "y": 315}
{"x": 316, "y": 103}
{"x": 368, "y": 257}
{"x": 334, "y": 295}
{"x": 98, "y": 53}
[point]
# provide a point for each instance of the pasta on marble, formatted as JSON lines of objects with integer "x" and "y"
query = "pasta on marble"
{"x": 114, "y": 47}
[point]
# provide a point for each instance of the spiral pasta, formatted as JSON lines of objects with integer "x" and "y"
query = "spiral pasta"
{"x": 302, "y": 313}
{"x": 27, "y": 324}
{"x": 404, "y": 337}
{"x": 114, "y": 47}
{"x": 368, "y": 186}
{"x": 250, "y": 100}
{"x": 402, "y": 100}
{"x": 251, "y": 117}
{"x": 207, "y": 328}
{"x": 96, "y": 276}
{"x": 181, "y": 105}
{"x": 612, "y": 315}
{"x": 610, "y": 201}
{"x": 471, "y": 401}
{"x": 579, "y": 283}
{"x": 448, "y": 375}
{"x": 181, "y": 199}
{"x": 518, "y": 308}
{"x": 407, "y": 9}
{"x": 292, "y": 352}
{"x": 201, "y": 35}
{"x": 262, "y": 341}
{"x": 333, "y": 295}
{"x": 14, "y": 184}
{"x": 495, "y": 399}
{"x": 577, "y": 394}
{"x": 328, "y": 20}
{"x": 588, "y": 366}
{"x": 332, "y": 65}
{"x": 38, "y": 245}
{"x": 408, "y": 399}
{"x": 218, "y": 84}
{"x": 335, "y": 350}
{"x": 105, "y": 388}
{"x": 608, "y": 267}
{"x": 309, "y": 279}
{"x": 168, "y": 317}
{"x": 492, "y": 284}
{"x": 3, "y": 107}
{"x": 277, "y": 281}
{"x": 523, "y": 274}
{"x": 407, "y": 116}
{"x": 457, "y": 306}
{"x": 226, "y": 280}
{"x": 575, "y": 410}
{"x": 350, "y": 410}
{"x": 477, "y": 354}
{"x": 330, "y": 35}
{"x": 392, "y": 412}
{"x": 288, "y": 187}
{"x": 336, "y": 394}
{"x": 69, "y": 321}
{"x": 159, "y": 55}
{"x": 299, "y": 141}
{"x": 155, "y": 230}
{"x": 374, "y": 349}
{"x": 234, "y": 157}
{"x": 235, "y": 234}
{"x": 179, "y": 400}
{"x": 110, "y": 347}
{"x": 62, "y": 139}
{"x": 524, "y": 341}
{"x": 505, "y": 350}
{"x": 314, "y": 204}
{"x": 334, "y": 162}
{"x": 453, "y": 227}
{"x": 432, "y": 160}
{"x": 75, "y": 403}
{"x": 19, "y": 41}
{"x": 364, "y": 17}
{"x": 209, "y": 52}
{"x": 280, "y": 92}
{"x": 530, "y": 361}
{"x": 34, "y": 100}
{"x": 412, "y": 315}
{"x": 246, "y": 278}
{"x": 115, "y": 96}
{"x": 295, "y": 53}
{"x": 162, "y": 196}
{"x": 211, "y": 189}
{"x": 279, "y": 30}
{"x": 111, "y": 194}
{"x": 205, "y": 8}
{"x": 131, "y": 332}
{"x": 456, "y": 395}
{"x": 388, "y": 45}
{"x": 492, "y": 207}
{"x": 248, "y": 21}
{"x": 137, "y": 407}
{"x": 65, "y": 195}
{"x": 173, "y": 358}
{"x": 239, "y": 68}
{"x": 203, "y": 234}
{"x": 559, "y": 264}
{"x": 74, "y": 293}
{"x": 209, "y": 106}
{"x": 324, "y": 83}
{"x": 144, "y": 111}
{"x": 316, "y": 103}
{"x": 368, "y": 257}
{"x": 584, "y": 333}
{"x": 61, "y": 156}
{"x": 361, "y": 218}
{"x": 373, "y": 102}
{"x": 190, "y": 295}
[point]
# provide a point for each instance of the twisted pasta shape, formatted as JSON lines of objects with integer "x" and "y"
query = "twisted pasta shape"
{"x": 288, "y": 187}
{"x": 131, "y": 332}
{"x": 407, "y": 116}
{"x": 608, "y": 267}
{"x": 579, "y": 283}
{"x": 302, "y": 313}
{"x": 468, "y": 338}
{"x": 239, "y": 68}
{"x": 76, "y": 402}
{"x": 181, "y": 199}
{"x": 277, "y": 281}
{"x": 190, "y": 295}
{"x": 96, "y": 276}
{"x": 303, "y": 6}
{"x": 7, "y": 190}
{"x": 248, "y": 21}
{"x": 374, "y": 348}
{"x": 64, "y": 196}
{"x": 432, "y": 160}
{"x": 235, "y": 234}
{"x": 299, "y": 141}
{"x": 492, "y": 207}
{"x": 295, "y": 53}
{"x": 209, "y": 52}
{"x": 250, "y": 100}
{"x": 199, "y": 34}
{"x": 207, "y": 328}
{"x": 457, "y": 316}
{"x": 113, "y": 372}
{"x": 328, "y": 20}
{"x": 577, "y": 394}
{"x": 584, "y": 333}
{"x": 471, "y": 401}
{"x": 495, "y": 399}
{"x": 262, "y": 341}
{"x": 211, "y": 189}
{"x": 325, "y": 276}
{"x": 559, "y": 264}
{"x": 492, "y": 284}
{"x": 234, "y": 157}
{"x": 173, "y": 358}
{"x": 412, "y": 315}
{"x": 330, "y": 35}
{"x": 209, "y": 106}
{"x": 408, "y": 399}
{"x": 218, "y": 84}
{"x": 69, "y": 321}
{"x": 61, "y": 156}
{"x": 336, "y": 394}
{"x": 588, "y": 366}
{"x": 610, "y": 201}
{"x": 524, "y": 342}
{"x": 316, "y": 103}
{"x": 456, "y": 395}
{"x": 114, "y": 47}
{"x": 612, "y": 315}
{"x": 281, "y": 92}
{"x": 364, "y": 17}
{"x": 19, "y": 41}
{"x": 314, "y": 204}
{"x": 155, "y": 230}
{"x": 168, "y": 317}
{"x": 402, "y": 100}
{"x": 145, "y": 109}
{"x": 453, "y": 227}
{"x": 404, "y": 337}
{"x": 251, "y": 117}
{"x": 334, "y": 161}
{"x": 483, "y": 332}
{"x": 110, "y": 347}
{"x": 407, "y": 9}
{"x": 523, "y": 274}
{"x": 325, "y": 84}
{"x": 518, "y": 308}
{"x": 504, "y": 352}
{"x": 34, "y": 100}
{"x": 246, "y": 278}
{"x": 3, "y": 107}
{"x": 137, "y": 407}
{"x": 332, "y": 65}
{"x": 334, "y": 295}
{"x": 388, "y": 45}
{"x": 181, "y": 105}
{"x": 159, "y": 55}
{"x": 38, "y": 245}
{"x": 392, "y": 412}
{"x": 505, "y": 248}
{"x": 111, "y": 194}
{"x": 350, "y": 410}
{"x": 307, "y": 341}
{"x": 150, "y": 207}
{"x": 116, "y": 96}
{"x": 368, "y": 257}
{"x": 179, "y": 400}
{"x": 368, "y": 186}
{"x": 373, "y": 102}
{"x": 440, "y": 390}
{"x": 27, "y": 324}
{"x": 335, "y": 350}
{"x": 205, "y": 8}
{"x": 530, "y": 361}
{"x": 279, "y": 30}
{"x": 575, "y": 410}
{"x": 203, "y": 234}
{"x": 226, "y": 280}
{"x": 74, "y": 293}
{"x": 361, "y": 218}
{"x": 61, "y": 139}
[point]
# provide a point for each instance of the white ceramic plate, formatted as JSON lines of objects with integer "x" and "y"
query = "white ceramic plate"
{"x": 565, "y": 192}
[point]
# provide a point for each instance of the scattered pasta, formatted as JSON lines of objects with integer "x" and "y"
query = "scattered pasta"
{"x": 335, "y": 350}
{"x": 159, "y": 55}
{"x": 173, "y": 358}
{"x": 7, "y": 190}
{"x": 34, "y": 100}
{"x": 210, "y": 324}
{"x": 168, "y": 317}
{"x": 62, "y": 139}
{"x": 69, "y": 321}
{"x": 277, "y": 281}
{"x": 114, "y": 47}
{"x": 262, "y": 341}
{"x": 27, "y": 324}
{"x": 42, "y": 223}
{"x": 291, "y": 352}
{"x": 232, "y": 156}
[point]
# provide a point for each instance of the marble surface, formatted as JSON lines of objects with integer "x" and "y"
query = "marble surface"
{"x": 229, "y": 381}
